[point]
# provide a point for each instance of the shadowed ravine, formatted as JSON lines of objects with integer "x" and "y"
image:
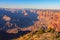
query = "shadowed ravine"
{"x": 19, "y": 18}
{"x": 7, "y": 36}
{"x": 15, "y": 19}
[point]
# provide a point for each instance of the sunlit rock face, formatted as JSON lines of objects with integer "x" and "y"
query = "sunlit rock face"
{"x": 14, "y": 31}
{"x": 50, "y": 18}
{"x": 25, "y": 13}
{"x": 33, "y": 11}
{"x": 6, "y": 18}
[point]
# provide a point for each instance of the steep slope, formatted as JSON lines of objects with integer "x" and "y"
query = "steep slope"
{"x": 40, "y": 34}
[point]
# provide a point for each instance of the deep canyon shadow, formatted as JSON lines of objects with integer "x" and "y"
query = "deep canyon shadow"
{"x": 7, "y": 36}
{"x": 19, "y": 19}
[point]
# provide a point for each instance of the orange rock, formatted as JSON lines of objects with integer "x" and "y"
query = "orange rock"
{"x": 6, "y": 18}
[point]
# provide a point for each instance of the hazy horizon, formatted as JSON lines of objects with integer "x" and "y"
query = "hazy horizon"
{"x": 33, "y": 4}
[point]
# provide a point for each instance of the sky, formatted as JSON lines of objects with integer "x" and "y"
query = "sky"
{"x": 35, "y": 4}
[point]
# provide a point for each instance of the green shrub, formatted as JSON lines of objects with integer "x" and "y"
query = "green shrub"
{"x": 50, "y": 30}
{"x": 58, "y": 38}
{"x": 40, "y": 31}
